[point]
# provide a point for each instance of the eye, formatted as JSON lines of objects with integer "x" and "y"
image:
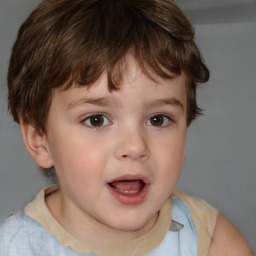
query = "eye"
{"x": 96, "y": 120}
{"x": 159, "y": 120}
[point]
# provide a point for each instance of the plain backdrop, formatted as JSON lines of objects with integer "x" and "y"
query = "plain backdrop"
{"x": 221, "y": 145}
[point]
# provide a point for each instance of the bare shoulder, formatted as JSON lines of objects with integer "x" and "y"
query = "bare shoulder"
{"x": 227, "y": 240}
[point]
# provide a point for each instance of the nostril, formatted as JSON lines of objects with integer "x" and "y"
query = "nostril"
{"x": 142, "y": 157}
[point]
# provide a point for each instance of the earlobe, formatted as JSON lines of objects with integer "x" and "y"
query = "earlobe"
{"x": 36, "y": 144}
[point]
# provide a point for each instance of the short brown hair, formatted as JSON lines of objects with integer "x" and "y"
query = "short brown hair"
{"x": 65, "y": 41}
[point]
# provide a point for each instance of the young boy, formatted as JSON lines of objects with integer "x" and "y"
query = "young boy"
{"x": 104, "y": 91}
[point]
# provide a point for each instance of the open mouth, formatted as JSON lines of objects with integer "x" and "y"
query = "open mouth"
{"x": 128, "y": 187}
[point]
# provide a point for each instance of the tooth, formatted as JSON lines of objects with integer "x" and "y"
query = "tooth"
{"x": 130, "y": 192}
{"x": 126, "y": 192}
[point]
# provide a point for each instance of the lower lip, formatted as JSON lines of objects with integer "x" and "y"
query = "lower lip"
{"x": 130, "y": 199}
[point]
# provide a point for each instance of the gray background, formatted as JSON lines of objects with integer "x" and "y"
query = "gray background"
{"x": 221, "y": 145}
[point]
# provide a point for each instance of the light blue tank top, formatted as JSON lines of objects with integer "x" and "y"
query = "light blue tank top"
{"x": 21, "y": 235}
{"x": 181, "y": 239}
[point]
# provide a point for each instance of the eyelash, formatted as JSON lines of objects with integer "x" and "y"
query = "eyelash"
{"x": 164, "y": 119}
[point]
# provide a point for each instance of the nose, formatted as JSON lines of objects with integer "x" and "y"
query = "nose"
{"x": 132, "y": 144}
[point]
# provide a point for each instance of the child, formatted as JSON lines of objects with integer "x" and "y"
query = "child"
{"x": 104, "y": 91}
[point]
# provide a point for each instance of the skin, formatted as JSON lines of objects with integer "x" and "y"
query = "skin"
{"x": 127, "y": 141}
{"x": 227, "y": 240}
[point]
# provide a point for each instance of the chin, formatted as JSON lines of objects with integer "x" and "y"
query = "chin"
{"x": 131, "y": 224}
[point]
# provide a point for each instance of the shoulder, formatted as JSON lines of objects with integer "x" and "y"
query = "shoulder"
{"x": 227, "y": 240}
{"x": 216, "y": 235}
{"x": 16, "y": 222}
{"x": 12, "y": 225}
{"x": 203, "y": 214}
{"x": 10, "y": 231}
{"x": 19, "y": 231}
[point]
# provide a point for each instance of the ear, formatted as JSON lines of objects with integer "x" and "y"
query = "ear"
{"x": 36, "y": 144}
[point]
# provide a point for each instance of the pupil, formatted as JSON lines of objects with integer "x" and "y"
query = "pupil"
{"x": 96, "y": 120}
{"x": 157, "y": 120}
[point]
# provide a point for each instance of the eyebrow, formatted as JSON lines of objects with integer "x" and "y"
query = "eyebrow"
{"x": 112, "y": 101}
{"x": 161, "y": 102}
{"x": 95, "y": 101}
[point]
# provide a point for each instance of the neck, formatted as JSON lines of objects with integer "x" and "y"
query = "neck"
{"x": 85, "y": 228}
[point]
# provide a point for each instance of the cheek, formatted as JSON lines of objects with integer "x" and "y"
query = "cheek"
{"x": 171, "y": 150}
{"x": 80, "y": 172}
{"x": 79, "y": 160}
{"x": 169, "y": 156}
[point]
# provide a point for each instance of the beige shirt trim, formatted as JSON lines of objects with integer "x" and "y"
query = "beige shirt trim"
{"x": 38, "y": 211}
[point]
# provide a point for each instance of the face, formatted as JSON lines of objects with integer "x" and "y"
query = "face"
{"x": 118, "y": 155}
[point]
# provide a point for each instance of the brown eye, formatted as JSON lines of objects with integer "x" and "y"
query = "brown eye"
{"x": 156, "y": 120}
{"x": 97, "y": 120}
{"x": 159, "y": 120}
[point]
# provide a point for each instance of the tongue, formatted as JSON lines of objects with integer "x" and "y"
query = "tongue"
{"x": 128, "y": 185}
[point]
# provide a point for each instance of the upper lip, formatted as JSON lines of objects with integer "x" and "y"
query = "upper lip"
{"x": 144, "y": 178}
